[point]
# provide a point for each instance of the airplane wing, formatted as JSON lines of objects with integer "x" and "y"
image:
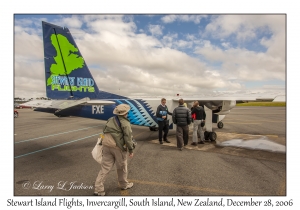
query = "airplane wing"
{"x": 221, "y": 105}
{"x": 223, "y": 98}
{"x": 36, "y": 103}
{"x": 64, "y": 104}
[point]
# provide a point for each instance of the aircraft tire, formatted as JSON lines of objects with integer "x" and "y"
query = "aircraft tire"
{"x": 206, "y": 135}
{"x": 213, "y": 136}
{"x": 151, "y": 129}
{"x": 220, "y": 124}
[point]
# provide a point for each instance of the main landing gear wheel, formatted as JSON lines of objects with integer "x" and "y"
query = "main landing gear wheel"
{"x": 206, "y": 135}
{"x": 213, "y": 136}
{"x": 210, "y": 136}
{"x": 220, "y": 124}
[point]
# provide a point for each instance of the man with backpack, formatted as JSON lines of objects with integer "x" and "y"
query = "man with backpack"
{"x": 199, "y": 121}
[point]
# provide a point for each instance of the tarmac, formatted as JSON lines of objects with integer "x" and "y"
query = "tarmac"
{"x": 50, "y": 155}
{"x": 252, "y": 151}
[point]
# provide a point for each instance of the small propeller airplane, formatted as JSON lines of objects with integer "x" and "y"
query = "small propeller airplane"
{"x": 74, "y": 92}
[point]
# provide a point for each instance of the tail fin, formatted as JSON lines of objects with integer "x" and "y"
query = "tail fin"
{"x": 67, "y": 75}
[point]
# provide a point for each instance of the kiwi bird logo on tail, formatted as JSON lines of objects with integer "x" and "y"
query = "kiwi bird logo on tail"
{"x": 66, "y": 60}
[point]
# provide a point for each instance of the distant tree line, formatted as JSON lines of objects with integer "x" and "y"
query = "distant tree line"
{"x": 38, "y": 98}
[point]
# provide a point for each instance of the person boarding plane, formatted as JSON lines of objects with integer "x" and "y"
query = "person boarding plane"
{"x": 74, "y": 92}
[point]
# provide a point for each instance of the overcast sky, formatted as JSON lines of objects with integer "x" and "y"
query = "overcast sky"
{"x": 158, "y": 55}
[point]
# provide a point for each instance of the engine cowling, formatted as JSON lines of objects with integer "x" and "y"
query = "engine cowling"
{"x": 220, "y": 107}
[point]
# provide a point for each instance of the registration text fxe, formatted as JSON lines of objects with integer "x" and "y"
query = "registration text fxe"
{"x": 97, "y": 109}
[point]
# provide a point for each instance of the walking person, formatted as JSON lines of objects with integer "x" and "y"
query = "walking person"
{"x": 182, "y": 118}
{"x": 162, "y": 120}
{"x": 198, "y": 123}
{"x": 120, "y": 130}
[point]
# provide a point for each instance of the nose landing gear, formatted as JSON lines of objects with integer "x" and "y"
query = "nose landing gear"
{"x": 220, "y": 124}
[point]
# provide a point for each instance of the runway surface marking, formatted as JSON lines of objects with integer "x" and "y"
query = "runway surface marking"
{"x": 55, "y": 134}
{"x": 125, "y": 193}
{"x": 56, "y": 146}
{"x": 210, "y": 190}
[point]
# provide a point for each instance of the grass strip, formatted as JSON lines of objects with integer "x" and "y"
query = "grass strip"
{"x": 282, "y": 104}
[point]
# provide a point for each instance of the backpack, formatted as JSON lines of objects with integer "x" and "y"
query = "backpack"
{"x": 194, "y": 116}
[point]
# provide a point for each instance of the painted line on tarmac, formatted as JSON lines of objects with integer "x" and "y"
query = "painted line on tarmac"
{"x": 69, "y": 142}
{"x": 124, "y": 193}
{"x": 55, "y": 134}
{"x": 271, "y": 135}
{"x": 220, "y": 192}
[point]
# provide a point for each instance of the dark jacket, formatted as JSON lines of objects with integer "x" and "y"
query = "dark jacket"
{"x": 162, "y": 111}
{"x": 181, "y": 116}
{"x": 200, "y": 113}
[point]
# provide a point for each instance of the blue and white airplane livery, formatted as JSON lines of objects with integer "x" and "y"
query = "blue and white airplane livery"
{"x": 74, "y": 92}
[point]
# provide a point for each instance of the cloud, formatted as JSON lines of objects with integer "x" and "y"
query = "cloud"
{"x": 246, "y": 64}
{"x": 156, "y": 30}
{"x": 72, "y": 22}
{"x": 28, "y": 45}
{"x": 183, "y": 18}
{"x": 244, "y": 27}
{"x": 239, "y": 62}
{"x": 169, "y": 18}
{"x": 225, "y": 44}
{"x": 169, "y": 39}
{"x": 183, "y": 44}
{"x": 136, "y": 63}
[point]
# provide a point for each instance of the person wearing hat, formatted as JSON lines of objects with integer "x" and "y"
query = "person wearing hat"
{"x": 117, "y": 154}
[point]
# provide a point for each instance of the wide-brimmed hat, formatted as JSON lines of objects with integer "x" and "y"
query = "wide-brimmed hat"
{"x": 121, "y": 109}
